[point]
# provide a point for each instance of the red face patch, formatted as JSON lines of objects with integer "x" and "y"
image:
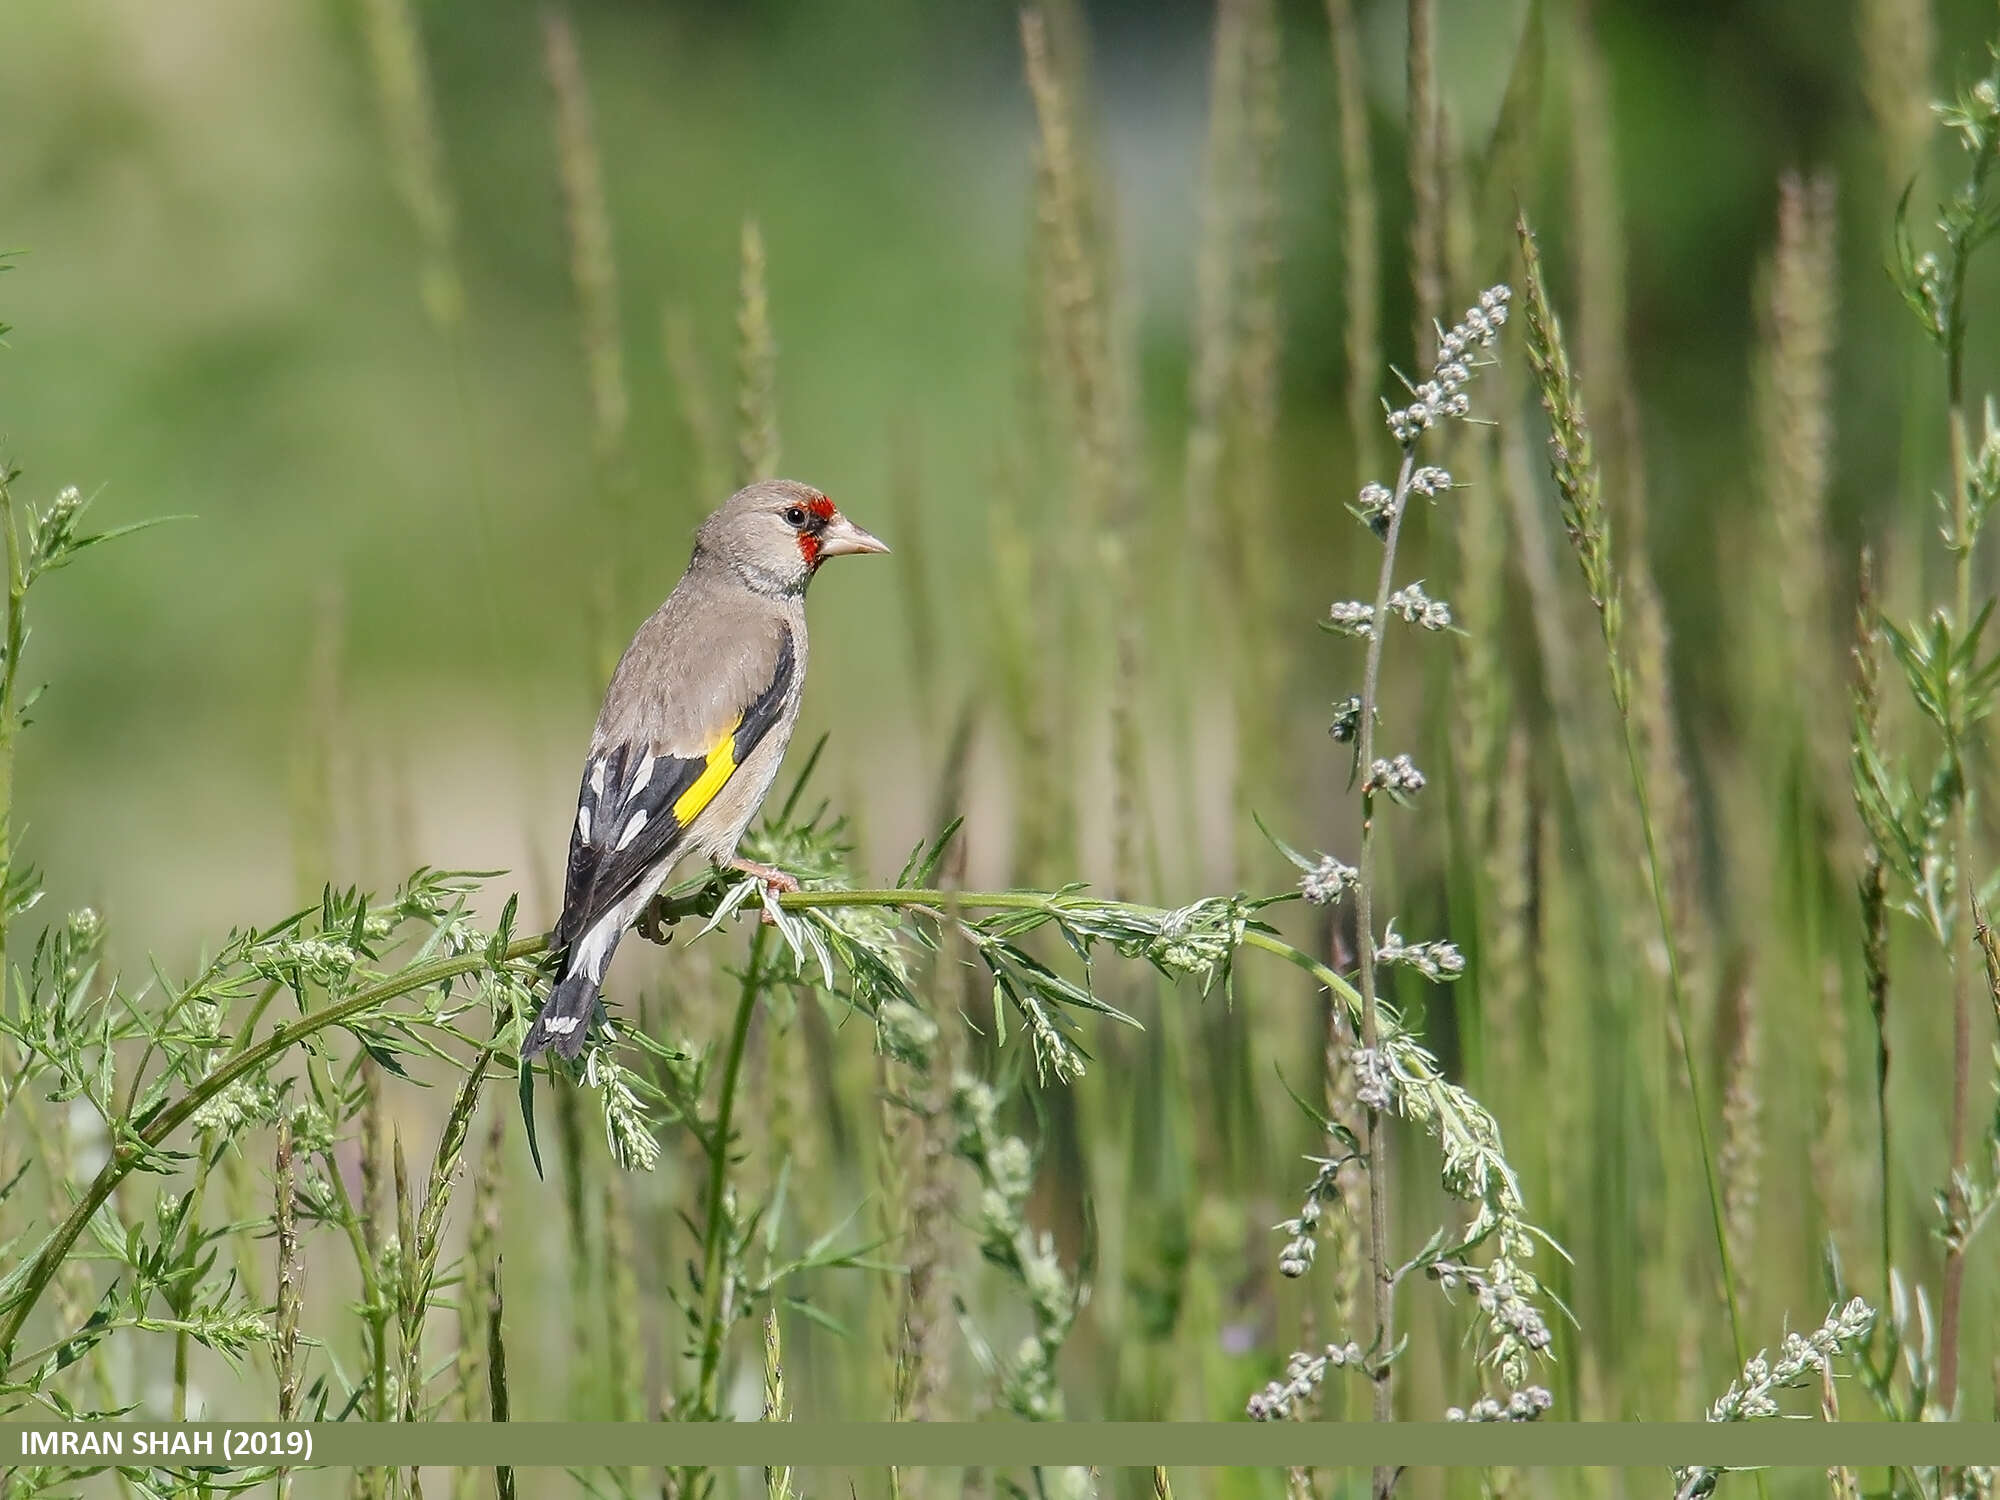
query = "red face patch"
{"x": 809, "y": 543}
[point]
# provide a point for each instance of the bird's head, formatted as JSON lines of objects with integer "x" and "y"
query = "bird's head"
{"x": 775, "y": 533}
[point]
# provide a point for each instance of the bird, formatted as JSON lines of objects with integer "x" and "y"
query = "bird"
{"x": 695, "y": 721}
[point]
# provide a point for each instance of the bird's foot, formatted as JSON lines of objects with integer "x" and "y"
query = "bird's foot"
{"x": 770, "y": 877}
{"x": 653, "y": 924}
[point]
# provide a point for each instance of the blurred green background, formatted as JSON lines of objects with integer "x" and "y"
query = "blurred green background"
{"x": 392, "y": 592}
{"x": 217, "y": 315}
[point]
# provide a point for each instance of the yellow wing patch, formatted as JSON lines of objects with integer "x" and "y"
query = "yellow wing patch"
{"x": 720, "y": 767}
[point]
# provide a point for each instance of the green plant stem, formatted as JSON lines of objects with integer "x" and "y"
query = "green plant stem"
{"x": 715, "y": 1231}
{"x": 373, "y": 1303}
{"x": 1886, "y": 1226}
{"x": 1574, "y": 468}
{"x": 1952, "y": 1294}
{"x": 1381, "y": 1273}
{"x": 17, "y": 597}
{"x": 204, "y": 1155}
{"x": 1677, "y": 993}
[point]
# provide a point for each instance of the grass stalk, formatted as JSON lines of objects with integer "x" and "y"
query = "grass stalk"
{"x": 408, "y": 1309}
{"x": 1575, "y": 471}
{"x": 291, "y": 1277}
{"x": 422, "y": 1247}
{"x": 1895, "y": 48}
{"x": 1345, "y": 1233}
{"x": 693, "y": 404}
{"x": 1792, "y": 392}
{"x": 484, "y": 1290}
{"x": 1382, "y": 1303}
{"x": 1259, "y": 544}
{"x": 593, "y": 270}
{"x": 1742, "y": 1145}
{"x": 1216, "y": 280}
{"x": 1362, "y": 275}
{"x": 594, "y": 280}
{"x": 757, "y": 448}
{"x": 577, "y": 1161}
{"x": 717, "y": 1304}
{"x": 373, "y": 1154}
{"x": 625, "y": 1366}
{"x": 481, "y": 1248}
{"x": 1873, "y": 891}
{"x": 1077, "y": 304}
{"x": 1964, "y": 534}
{"x": 291, "y": 1288}
{"x": 1425, "y": 147}
{"x": 10, "y": 717}
{"x": 777, "y": 1481}
{"x": 496, "y": 1370}
{"x": 409, "y": 124}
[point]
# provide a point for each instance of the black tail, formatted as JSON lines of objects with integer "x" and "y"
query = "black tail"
{"x": 565, "y": 1018}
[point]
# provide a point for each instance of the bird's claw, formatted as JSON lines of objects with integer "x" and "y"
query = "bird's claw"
{"x": 652, "y": 926}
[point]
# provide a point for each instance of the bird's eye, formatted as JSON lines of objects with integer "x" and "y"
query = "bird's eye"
{"x": 795, "y": 517}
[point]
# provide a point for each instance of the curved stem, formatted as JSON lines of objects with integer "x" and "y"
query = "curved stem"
{"x": 136, "y": 1143}
{"x": 1301, "y": 959}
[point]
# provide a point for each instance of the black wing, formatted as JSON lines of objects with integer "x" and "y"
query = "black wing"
{"x": 634, "y": 807}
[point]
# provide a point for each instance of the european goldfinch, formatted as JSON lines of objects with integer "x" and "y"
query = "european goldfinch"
{"x": 694, "y": 724}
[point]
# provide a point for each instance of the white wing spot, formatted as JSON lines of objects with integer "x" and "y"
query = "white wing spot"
{"x": 644, "y": 775}
{"x": 597, "y": 776}
{"x": 632, "y": 828}
{"x": 561, "y": 1025}
{"x": 583, "y": 824}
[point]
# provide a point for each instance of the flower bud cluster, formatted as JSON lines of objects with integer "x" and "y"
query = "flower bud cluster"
{"x": 1355, "y": 617}
{"x": 1399, "y": 777}
{"x": 1303, "y": 1374}
{"x": 1522, "y": 1406}
{"x": 1374, "y": 1085}
{"x": 1443, "y": 395}
{"x": 1438, "y": 961}
{"x": 1297, "y": 1256}
{"x": 1801, "y": 1358}
{"x": 1414, "y": 605}
{"x": 1327, "y": 881}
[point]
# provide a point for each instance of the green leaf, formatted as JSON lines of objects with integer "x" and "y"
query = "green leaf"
{"x": 527, "y": 1090}
{"x": 920, "y": 870}
{"x": 74, "y": 545}
{"x": 818, "y": 1315}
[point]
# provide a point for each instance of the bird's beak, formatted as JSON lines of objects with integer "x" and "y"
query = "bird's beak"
{"x": 842, "y": 537}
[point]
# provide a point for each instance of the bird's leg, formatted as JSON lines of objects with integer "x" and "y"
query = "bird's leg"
{"x": 769, "y": 876}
